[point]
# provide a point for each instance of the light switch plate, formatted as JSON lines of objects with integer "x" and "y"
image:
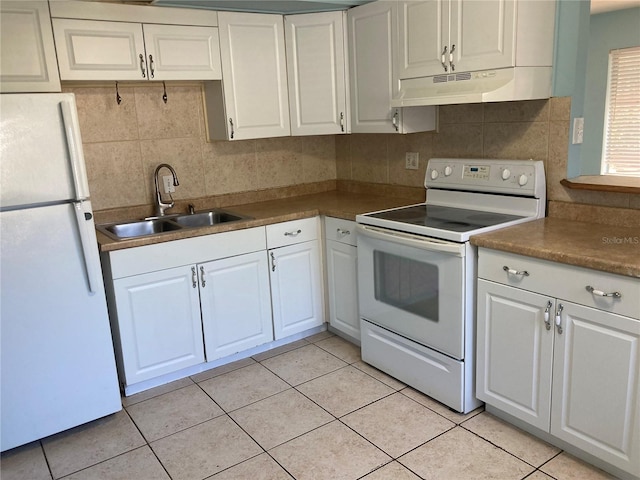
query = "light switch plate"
{"x": 167, "y": 181}
{"x": 578, "y": 130}
{"x": 412, "y": 160}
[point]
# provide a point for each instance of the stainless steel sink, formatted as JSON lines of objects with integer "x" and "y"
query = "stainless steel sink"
{"x": 206, "y": 219}
{"x": 170, "y": 223}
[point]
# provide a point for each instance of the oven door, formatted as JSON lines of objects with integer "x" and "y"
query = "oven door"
{"x": 413, "y": 286}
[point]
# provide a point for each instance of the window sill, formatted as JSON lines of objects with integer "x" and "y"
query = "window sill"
{"x": 604, "y": 183}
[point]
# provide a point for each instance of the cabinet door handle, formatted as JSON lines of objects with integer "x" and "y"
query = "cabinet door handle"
{"x": 293, "y": 233}
{"x": 547, "y": 316}
{"x": 202, "y": 280}
{"x": 342, "y": 121}
{"x": 273, "y": 262}
{"x": 522, "y": 273}
{"x": 142, "y": 69}
{"x": 395, "y": 122}
{"x": 151, "y": 69}
{"x": 194, "y": 277}
{"x": 559, "y": 318}
{"x": 232, "y": 132}
{"x": 343, "y": 232}
{"x": 451, "y": 64}
{"x": 443, "y": 59}
{"x": 600, "y": 293}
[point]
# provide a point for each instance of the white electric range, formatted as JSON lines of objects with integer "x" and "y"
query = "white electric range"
{"x": 417, "y": 271}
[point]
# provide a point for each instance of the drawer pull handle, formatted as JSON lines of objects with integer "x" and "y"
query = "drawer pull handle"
{"x": 600, "y": 293}
{"x": 294, "y": 233}
{"x": 547, "y": 316}
{"x": 194, "y": 277}
{"x": 202, "y": 277}
{"x": 559, "y": 318}
{"x": 273, "y": 262}
{"x": 341, "y": 231}
{"x": 523, "y": 273}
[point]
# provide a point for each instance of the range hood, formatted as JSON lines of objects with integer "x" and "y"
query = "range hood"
{"x": 500, "y": 85}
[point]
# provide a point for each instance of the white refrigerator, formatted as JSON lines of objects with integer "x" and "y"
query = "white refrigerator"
{"x": 57, "y": 365}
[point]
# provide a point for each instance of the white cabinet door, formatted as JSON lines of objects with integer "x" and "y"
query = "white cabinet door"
{"x": 27, "y": 52}
{"x": 316, "y": 71}
{"x": 97, "y": 50}
{"x": 342, "y": 281}
{"x": 295, "y": 288}
{"x": 177, "y": 52}
{"x": 236, "y": 304}
{"x": 254, "y": 75}
{"x": 423, "y": 34}
{"x": 481, "y": 35}
{"x": 515, "y": 352}
{"x": 596, "y": 385}
{"x": 93, "y": 50}
{"x": 158, "y": 321}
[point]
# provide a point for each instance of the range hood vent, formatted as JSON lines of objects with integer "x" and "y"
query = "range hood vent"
{"x": 501, "y": 85}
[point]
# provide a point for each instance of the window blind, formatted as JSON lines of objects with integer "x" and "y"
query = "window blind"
{"x": 621, "y": 149}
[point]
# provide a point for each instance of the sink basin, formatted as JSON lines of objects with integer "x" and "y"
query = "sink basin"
{"x": 206, "y": 219}
{"x": 170, "y": 223}
{"x": 138, "y": 229}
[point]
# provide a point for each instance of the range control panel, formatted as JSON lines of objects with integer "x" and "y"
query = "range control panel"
{"x": 515, "y": 177}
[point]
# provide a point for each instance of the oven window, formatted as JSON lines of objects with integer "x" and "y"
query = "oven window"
{"x": 406, "y": 284}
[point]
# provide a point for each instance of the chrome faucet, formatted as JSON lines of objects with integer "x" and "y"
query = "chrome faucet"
{"x": 160, "y": 206}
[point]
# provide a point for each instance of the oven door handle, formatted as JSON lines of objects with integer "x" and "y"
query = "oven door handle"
{"x": 410, "y": 240}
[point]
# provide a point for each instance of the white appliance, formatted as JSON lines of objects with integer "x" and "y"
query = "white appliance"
{"x": 57, "y": 361}
{"x": 417, "y": 271}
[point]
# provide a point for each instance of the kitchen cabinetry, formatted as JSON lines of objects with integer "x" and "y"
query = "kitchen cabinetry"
{"x": 556, "y": 354}
{"x": 236, "y": 304}
{"x": 252, "y": 100}
{"x": 372, "y": 29}
{"x": 164, "y": 297}
{"x": 448, "y": 36}
{"x": 342, "y": 280}
{"x": 295, "y": 271}
{"x": 28, "y": 55}
{"x": 103, "y": 50}
{"x": 315, "y": 45}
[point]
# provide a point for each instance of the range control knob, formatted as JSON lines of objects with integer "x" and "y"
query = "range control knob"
{"x": 434, "y": 174}
{"x": 522, "y": 180}
{"x": 448, "y": 171}
{"x": 506, "y": 173}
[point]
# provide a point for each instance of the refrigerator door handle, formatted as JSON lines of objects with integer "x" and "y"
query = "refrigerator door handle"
{"x": 72, "y": 133}
{"x": 89, "y": 252}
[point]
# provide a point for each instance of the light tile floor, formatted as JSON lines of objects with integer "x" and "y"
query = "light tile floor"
{"x": 309, "y": 410}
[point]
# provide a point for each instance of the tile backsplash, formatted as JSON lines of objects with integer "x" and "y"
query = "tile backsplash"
{"x": 124, "y": 143}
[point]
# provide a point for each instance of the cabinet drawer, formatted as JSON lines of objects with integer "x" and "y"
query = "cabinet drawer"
{"x": 295, "y": 231}
{"x": 562, "y": 281}
{"x": 343, "y": 231}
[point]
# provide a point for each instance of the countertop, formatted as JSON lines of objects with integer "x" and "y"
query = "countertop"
{"x": 335, "y": 203}
{"x": 591, "y": 245}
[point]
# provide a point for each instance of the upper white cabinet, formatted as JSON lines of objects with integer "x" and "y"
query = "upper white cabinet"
{"x": 449, "y": 36}
{"x": 252, "y": 100}
{"x": 372, "y": 33}
{"x": 316, "y": 56}
{"x": 27, "y": 52}
{"x": 101, "y": 50}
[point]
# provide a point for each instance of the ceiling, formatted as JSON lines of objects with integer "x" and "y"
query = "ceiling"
{"x": 264, "y": 6}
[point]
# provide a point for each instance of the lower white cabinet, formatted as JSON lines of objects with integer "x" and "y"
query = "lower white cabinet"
{"x": 560, "y": 357}
{"x": 236, "y": 304}
{"x": 159, "y": 326}
{"x": 342, "y": 276}
{"x": 295, "y": 270}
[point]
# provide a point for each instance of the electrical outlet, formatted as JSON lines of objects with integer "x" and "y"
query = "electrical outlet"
{"x": 169, "y": 187}
{"x": 578, "y": 130}
{"x": 411, "y": 160}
